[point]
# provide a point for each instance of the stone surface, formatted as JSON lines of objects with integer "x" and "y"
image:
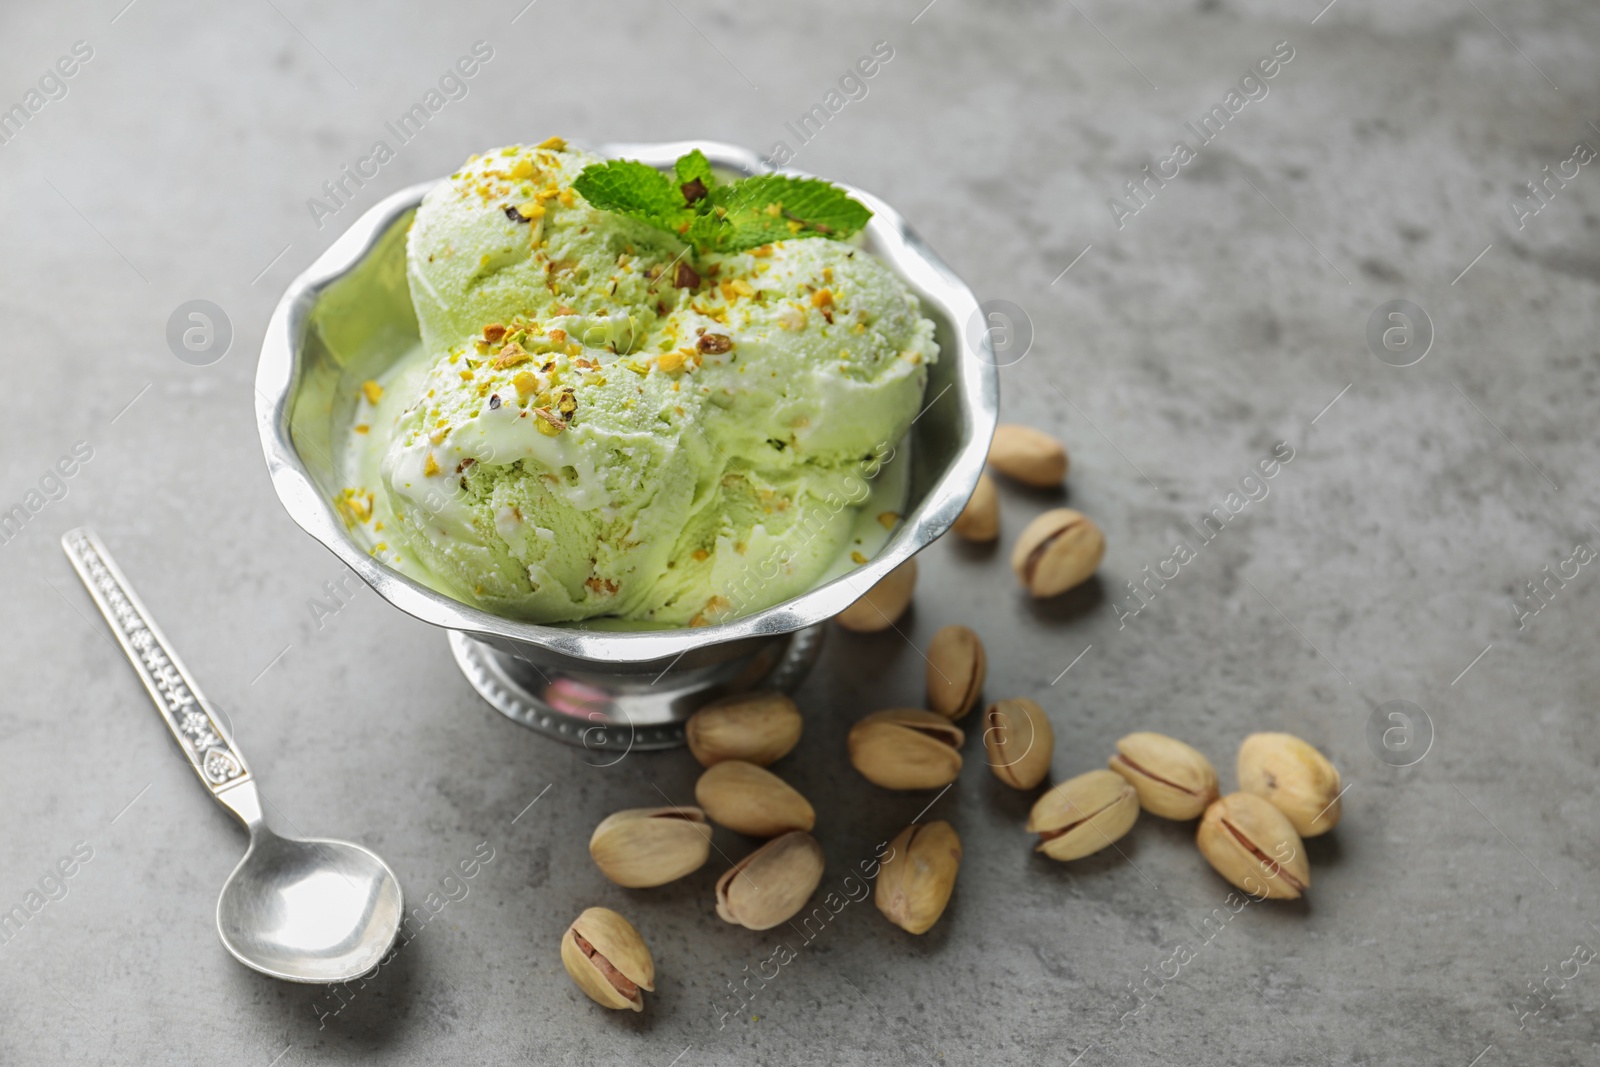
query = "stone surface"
{"x": 1228, "y": 314}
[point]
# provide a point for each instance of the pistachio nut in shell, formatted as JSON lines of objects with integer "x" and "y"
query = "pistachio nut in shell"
{"x": 1083, "y": 815}
{"x": 642, "y": 847}
{"x": 759, "y": 727}
{"x": 1295, "y": 777}
{"x": 772, "y": 883}
{"x": 752, "y": 800}
{"x": 1173, "y": 780}
{"x": 1030, "y": 456}
{"x": 882, "y": 605}
{"x": 1254, "y": 846}
{"x": 914, "y": 883}
{"x": 980, "y": 519}
{"x": 1057, "y": 551}
{"x": 957, "y": 666}
{"x": 906, "y": 748}
{"x": 1019, "y": 740}
{"x": 608, "y": 959}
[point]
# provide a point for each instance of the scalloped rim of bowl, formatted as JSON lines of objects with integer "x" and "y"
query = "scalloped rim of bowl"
{"x": 901, "y": 248}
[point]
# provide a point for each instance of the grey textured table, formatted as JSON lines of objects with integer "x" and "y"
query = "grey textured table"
{"x": 1176, "y": 342}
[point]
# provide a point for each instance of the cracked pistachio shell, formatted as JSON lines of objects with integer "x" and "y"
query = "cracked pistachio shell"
{"x": 608, "y": 959}
{"x": 1254, "y": 846}
{"x": 980, "y": 519}
{"x": 1019, "y": 741}
{"x": 1057, "y": 551}
{"x": 906, "y": 748}
{"x": 914, "y": 883}
{"x": 1295, "y": 777}
{"x": 752, "y": 800}
{"x": 772, "y": 883}
{"x": 882, "y": 605}
{"x": 1173, "y": 780}
{"x": 643, "y": 847}
{"x": 1030, "y": 456}
{"x": 759, "y": 727}
{"x": 956, "y": 669}
{"x": 1083, "y": 815}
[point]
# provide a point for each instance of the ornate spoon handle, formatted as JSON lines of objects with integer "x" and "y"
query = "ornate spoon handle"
{"x": 187, "y": 714}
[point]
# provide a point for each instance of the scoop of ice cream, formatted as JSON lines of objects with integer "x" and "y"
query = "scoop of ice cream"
{"x": 829, "y": 351}
{"x": 506, "y": 236}
{"x": 549, "y": 488}
{"x": 703, "y": 461}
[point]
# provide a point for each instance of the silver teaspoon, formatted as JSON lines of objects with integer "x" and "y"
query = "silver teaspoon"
{"x": 310, "y": 910}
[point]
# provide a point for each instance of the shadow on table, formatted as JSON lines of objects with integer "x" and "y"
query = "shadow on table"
{"x": 1072, "y": 604}
{"x": 367, "y": 1014}
{"x": 974, "y": 551}
{"x": 1324, "y": 850}
{"x": 1048, "y": 496}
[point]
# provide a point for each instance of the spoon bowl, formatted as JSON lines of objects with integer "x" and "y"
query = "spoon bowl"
{"x": 308, "y": 910}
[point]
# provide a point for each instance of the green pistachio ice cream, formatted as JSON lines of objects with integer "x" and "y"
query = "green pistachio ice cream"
{"x": 610, "y": 424}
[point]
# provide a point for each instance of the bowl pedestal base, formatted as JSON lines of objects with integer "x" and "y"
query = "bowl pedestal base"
{"x": 615, "y": 713}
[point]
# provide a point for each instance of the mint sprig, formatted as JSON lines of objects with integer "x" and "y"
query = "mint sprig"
{"x": 716, "y": 216}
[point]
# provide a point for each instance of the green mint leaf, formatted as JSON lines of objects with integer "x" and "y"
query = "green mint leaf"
{"x": 706, "y": 230}
{"x": 694, "y": 166}
{"x": 778, "y": 207}
{"x": 637, "y": 190}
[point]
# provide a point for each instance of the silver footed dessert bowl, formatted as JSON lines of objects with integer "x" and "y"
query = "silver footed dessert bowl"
{"x": 630, "y": 424}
